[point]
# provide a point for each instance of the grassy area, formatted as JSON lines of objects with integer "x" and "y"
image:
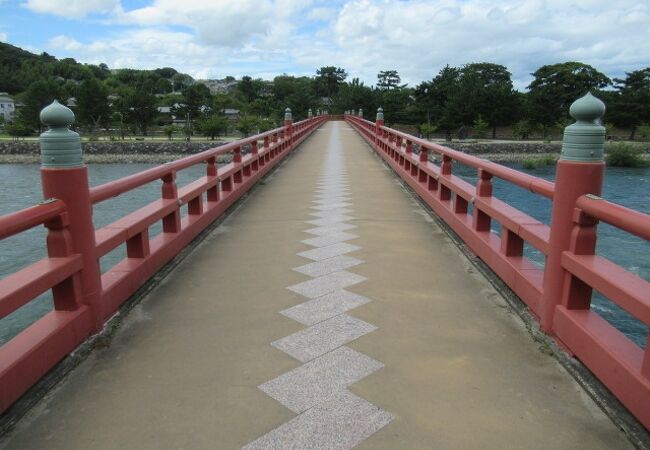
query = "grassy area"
{"x": 547, "y": 159}
{"x": 622, "y": 154}
{"x": 129, "y": 139}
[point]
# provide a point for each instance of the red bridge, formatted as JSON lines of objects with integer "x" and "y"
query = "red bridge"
{"x": 413, "y": 347}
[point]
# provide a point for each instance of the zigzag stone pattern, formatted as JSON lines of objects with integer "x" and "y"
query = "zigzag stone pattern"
{"x": 329, "y": 415}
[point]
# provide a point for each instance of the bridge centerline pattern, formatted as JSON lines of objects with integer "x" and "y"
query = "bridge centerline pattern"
{"x": 352, "y": 187}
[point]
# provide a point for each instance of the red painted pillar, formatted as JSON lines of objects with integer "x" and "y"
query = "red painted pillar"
{"x": 580, "y": 171}
{"x": 65, "y": 177}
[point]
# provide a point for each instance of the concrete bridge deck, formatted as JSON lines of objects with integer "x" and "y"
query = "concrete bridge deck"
{"x": 385, "y": 337}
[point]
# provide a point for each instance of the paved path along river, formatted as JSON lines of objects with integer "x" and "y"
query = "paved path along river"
{"x": 328, "y": 311}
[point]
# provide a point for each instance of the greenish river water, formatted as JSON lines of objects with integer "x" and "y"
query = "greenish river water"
{"x": 21, "y": 188}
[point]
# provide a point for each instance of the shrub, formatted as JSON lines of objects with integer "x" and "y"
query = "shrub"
{"x": 624, "y": 155}
{"x": 523, "y": 129}
{"x": 534, "y": 163}
{"x": 644, "y": 131}
{"x": 426, "y": 129}
{"x": 481, "y": 128}
{"x": 529, "y": 164}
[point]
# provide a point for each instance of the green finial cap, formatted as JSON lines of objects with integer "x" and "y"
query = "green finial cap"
{"x": 287, "y": 114}
{"x": 585, "y": 139}
{"x": 380, "y": 113}
{"x": 60, "y": 146}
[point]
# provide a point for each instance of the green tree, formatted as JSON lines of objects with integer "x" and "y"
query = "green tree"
{"x": 212, "y": 125}
{"x": 246, "y": 125}
{"x": 629, "y": 106}
{"x": 487, "y": 90}
{"x": 17, "y": 130}
{"x": 169, "y": 131}
{"x": 330, "y": 78}
{"x": 437, "y": 99}
{"x": 138, "y": 108}
{"x": 356, "y": 95}
{"x": 388, "y": 79}
{"x": 195, "y": 97}
{"x": 92, "y": 104}
{"x": 37, "y": 96}
{"x": 556, "y": 86}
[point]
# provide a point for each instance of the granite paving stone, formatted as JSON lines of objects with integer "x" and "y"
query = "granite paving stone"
{"x": 333, "y": 228}
{"x": 330, "y": 220}
{"x": 327, "y": 283}
{"x": 320, "y": 379}
{"x": 325, "y": 307}
{"x": 320, "y": 268}
{"x": 341, "y": 423}
{"x": 321, "y": 253}
{"x": 329, "y": 239}
{"x": 323, "y": 337}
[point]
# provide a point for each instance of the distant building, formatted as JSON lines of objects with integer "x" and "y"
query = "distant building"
{"x": 72, "y": 102}
{"x": 231, "y": 113}
{"x": 7, "y": 107}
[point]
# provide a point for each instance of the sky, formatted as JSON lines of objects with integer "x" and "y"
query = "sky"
{"x": 265, "y": 38}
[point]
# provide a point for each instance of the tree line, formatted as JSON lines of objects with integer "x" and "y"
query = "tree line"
{"x": 480, "y": 96}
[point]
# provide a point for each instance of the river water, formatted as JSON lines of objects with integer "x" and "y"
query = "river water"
{"x": 21, "y": 188}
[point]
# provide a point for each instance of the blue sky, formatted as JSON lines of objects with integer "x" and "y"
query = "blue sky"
{"x": 264, "y": 38}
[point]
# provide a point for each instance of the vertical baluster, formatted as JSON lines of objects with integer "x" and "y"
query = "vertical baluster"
{"x": 645, "y": 365}
{"x": 576, "y": 294}
{"x": 274, "y": 144}
{"x": 267, "y": 147}
{"x": 424, "y": 159}
{"x": 408, "y": 152}
{"x": 255, "y": 156}
{"x": 237, "y": 177}
{"x": 480, "y": 220}
{"x": 444, "y": 193}
{"x": 211, "y": 172}
{"x": 172, "y": 221}
{"x": 67, "y": 295}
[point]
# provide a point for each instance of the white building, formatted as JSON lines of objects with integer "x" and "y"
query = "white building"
{"x": 7, "y": 107}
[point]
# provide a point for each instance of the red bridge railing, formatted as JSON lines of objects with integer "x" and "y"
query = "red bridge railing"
{"x": 559, "y": 294}
{"x": 84, "y": 299}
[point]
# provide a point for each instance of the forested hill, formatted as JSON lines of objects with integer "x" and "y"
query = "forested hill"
{"x": 20, "y": 68}
{"x": 478, "y": 96}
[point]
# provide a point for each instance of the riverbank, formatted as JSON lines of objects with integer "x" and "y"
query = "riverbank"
{"x": 27, "y": 152}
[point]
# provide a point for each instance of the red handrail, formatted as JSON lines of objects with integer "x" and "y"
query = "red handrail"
{"x": 634, "y": 222}
{"x": 84, "y": 299}
{"x": 19, "y": 221}
{"x": 572, "y": 268}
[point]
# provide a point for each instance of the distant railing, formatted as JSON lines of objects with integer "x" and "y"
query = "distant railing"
{"x": 559, "y": 294}
{"x": 84, "y": 299}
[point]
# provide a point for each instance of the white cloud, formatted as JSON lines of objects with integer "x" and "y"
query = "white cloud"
{"x": 419, "y": 37}
{"x": 416, "y": 37}
{"x": 221, "y": 22}
{"x": 4, "y": 37}
{"x": 73, "y": 8}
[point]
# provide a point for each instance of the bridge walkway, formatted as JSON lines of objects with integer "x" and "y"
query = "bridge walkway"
{"x": 388, "y": 338}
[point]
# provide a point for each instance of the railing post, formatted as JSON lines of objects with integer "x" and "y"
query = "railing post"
{"x": 65, "y": 177}
{"x": 211, "y": 171}
{"x": 288, "y": 123}
{"x": 379, "y": 122}
{"x": 579, "y": 171}
{"x": 172, "y": 221}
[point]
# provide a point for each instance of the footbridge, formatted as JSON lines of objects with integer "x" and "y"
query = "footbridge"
{"x": 328, "y": 284}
